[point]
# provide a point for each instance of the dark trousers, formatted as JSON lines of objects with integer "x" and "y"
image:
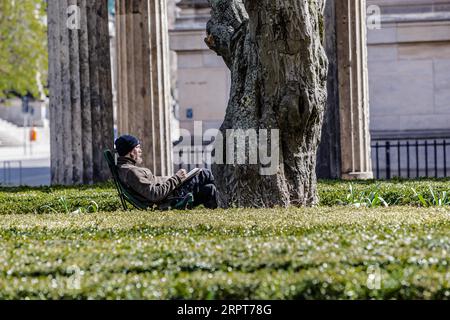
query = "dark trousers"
{"x": 203, "y": 188}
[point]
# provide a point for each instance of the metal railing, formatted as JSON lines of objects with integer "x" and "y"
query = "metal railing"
{"x": 7, "y": 171}
{"x": 192, "y": 158}
{"x": 405, "y": 158}
{"x": 408, "y": 158}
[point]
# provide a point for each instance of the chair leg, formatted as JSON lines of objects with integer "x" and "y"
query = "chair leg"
{"x": 124, "y": 203}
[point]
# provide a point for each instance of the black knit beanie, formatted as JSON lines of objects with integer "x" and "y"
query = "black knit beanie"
{"x": 126, "y": 143}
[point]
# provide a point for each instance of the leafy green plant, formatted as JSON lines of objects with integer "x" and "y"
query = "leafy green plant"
{"x": 92, "y": 207}
{"x": 361, "y": 199}
{"x": 438, "y": 199}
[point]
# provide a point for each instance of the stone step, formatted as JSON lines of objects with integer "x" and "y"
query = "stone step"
{"x": 10, "y": 134}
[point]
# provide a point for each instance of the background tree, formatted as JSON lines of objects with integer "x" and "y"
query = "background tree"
{"x": 278, "y": 81}
{"x": 23, "y": 47}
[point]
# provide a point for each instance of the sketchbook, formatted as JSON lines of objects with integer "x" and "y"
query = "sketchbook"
{"x": 191, "y": 174}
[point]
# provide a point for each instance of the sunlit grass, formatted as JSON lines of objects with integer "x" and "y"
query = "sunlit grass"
{"x": 325, "y": 252}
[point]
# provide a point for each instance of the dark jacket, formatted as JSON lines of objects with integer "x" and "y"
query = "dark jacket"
{"x": 142, "y": 181}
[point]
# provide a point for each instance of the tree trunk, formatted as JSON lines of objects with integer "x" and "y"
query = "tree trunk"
{"x": 278, "y": 73}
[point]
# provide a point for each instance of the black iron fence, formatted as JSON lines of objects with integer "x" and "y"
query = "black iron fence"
{"x": 190, "y": 159}
{"x": 7, "y": 169}
{"x": 405, "y": 158}
{"x": 192, "y": 156}
{"x": 408, "y": 158}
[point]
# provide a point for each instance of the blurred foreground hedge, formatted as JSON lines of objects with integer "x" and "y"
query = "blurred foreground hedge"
{"x": 315, "y": 253}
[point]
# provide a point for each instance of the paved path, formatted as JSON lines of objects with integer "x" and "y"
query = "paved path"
{"x": 34, "y": 170}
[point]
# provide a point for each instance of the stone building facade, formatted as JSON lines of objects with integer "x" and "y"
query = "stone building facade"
{"x": 408, "y": 67}
{"x": 203, "y": 80}
{"x": 409, "y": 73}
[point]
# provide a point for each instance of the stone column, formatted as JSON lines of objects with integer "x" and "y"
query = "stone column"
{"x": 353, "y": 89}
{"x": 144, "y": 79}
{"x": 329, "y": 153}
{"x": 81, "y": 110}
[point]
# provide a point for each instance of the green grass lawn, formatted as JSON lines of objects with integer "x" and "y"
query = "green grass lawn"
{"x": 331, "y": 193}
{"x": 325, "y": 252}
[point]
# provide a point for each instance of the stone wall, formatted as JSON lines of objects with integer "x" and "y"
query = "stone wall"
{"x": 203, "y": 80}
{"x": 11, "y": 111}
{"x": 409, "y": 69}
{"x": 409, "y": 77}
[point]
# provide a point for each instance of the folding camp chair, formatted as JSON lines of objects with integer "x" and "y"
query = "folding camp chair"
{"x": 127, "y": 195}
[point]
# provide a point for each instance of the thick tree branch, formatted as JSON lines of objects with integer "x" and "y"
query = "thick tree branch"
{"x": 226, "y": 27}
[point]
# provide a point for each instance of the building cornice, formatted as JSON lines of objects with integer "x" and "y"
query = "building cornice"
{"x": 193, "y": 4}
{"x": 416, "y": 17}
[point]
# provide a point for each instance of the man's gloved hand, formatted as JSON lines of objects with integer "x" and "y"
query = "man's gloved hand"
{"x": 181, "y": 174}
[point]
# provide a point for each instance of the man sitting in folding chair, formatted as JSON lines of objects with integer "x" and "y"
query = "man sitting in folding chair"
{"x": 158, "y": 189}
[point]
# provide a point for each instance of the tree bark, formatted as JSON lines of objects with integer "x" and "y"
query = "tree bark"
{"x": 278, "y": 72}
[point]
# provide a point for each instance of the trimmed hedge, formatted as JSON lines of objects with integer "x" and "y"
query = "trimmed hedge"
{"x": 394, "y": 192}
{"x": 320, "y": 253}
{"x": 50, "y": 199}
{"x": 333, "y": 192}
